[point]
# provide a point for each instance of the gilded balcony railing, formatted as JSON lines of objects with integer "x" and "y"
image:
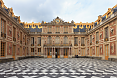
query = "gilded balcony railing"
{"x": 3, "y": 35}
{"x": 106, "y": 39}
{"x": 82, "y": 44}
{"x": 75, "y": 44}
{"x": 64, "y": 44}
{"x": 97, "y": 42}
{"x": 14, "y": 39}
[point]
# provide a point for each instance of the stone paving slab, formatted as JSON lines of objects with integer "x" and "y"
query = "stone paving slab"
{"x": 58, "y": 68}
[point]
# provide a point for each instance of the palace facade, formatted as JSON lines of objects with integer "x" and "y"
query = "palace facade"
{"x": 58, "y": 39}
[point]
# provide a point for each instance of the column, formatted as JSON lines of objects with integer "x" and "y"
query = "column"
{"x": 52, "y": 51}
{"x": 46, "y": 52}
{"x": 69, "y": 51}
{"x": 0, "y": 48}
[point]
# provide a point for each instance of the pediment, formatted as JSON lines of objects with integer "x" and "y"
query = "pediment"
{"x": 57, "y": 21}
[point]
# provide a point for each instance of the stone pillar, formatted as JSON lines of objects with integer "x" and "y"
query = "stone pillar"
{"x": 69, "y": 52}
{"x": 0, "y": 49}
{"x": 46, "y": 52}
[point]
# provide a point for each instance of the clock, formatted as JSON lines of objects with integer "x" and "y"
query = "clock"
{"x": 57, "y": 21}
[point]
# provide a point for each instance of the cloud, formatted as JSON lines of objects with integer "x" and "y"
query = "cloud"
{"x": 68, "y": 10}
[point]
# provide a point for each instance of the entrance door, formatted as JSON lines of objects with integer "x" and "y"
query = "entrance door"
{"x": 20, "y": 51}
{"x": 57, "y": 54}
{"x": 65, "y": 53}
{"x": 49, "y": 53}
{"x": 91, "y": 51}
{"x": 106, "y": 52}
{"x": 14, "y": 52}
{"x": 97, "y": 51}
{"x": 2, "y": 49}
{"x": 25, "y": 52}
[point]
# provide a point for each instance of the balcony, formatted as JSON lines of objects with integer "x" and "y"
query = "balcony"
{"x": 106, "y": 39}
{"x": 82, "y": 44}
{"x": 39, "y": 44}
{"x": 65, "y": 32}
{"x": 97, "y": 42}
{"x": 32, "y": 44}
{"x": 49, "y": 32}
{"x": 20, "y": 42}
{"x": 91, "y": 43}
{"x": 75, "y": 44}
{"x": 57, "y": 32}
{"x": 64, "y": 44}
{"x": 14, "y": 39}
{"x": 3, "y": 35}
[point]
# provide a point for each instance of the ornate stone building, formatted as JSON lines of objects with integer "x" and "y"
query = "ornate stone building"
{"x": 58, "y": 39}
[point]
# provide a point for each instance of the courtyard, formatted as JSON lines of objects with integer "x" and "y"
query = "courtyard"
{"x": 59, "y": 68}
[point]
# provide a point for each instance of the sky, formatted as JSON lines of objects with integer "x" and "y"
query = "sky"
{"x": 68, "y": 10}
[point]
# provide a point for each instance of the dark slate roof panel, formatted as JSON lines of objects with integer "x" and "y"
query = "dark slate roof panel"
{"x": 95, "y": 23}
{"x": 103, "y": 18}
{"x": 115, "y": 10}
{"x": 84, "y": 29}
{"x": 35, "y": 29}
{"x": 6, "y": 9}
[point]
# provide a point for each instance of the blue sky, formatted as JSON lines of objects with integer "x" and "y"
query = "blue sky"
{"x": 68, "y": 10}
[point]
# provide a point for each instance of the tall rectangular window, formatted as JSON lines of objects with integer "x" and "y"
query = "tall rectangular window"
{"x": 82, "y": 41}
{"x": 65, "y": 29}
{"x": 3, "y": 28}
{"x": 39, "y": 41}
{"x": 49, "y": 30}
{"x": 90, "y": 39}
{"x": 25, "y": 39}
{"x": 106, "y": 34}
{"x": 2, "y": 49}
{"x": 75, "y": 41}
{"x": 14, "y": 34}
{"x": 57, "y": 29}
{"x": 32, "y": 41}
{"x": 97, "y": 37}
{"x": 21, "y": 37}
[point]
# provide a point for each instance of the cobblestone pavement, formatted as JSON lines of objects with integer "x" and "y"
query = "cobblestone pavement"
{"x": 59, "y": 68}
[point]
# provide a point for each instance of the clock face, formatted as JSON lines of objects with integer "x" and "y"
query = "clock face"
{"x": 57, "y": 21}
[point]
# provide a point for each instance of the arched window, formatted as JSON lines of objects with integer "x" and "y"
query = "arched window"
{"x": 57, "y": 40}
{"x": 65, "y": 40}
{"x": 49, "y": 39}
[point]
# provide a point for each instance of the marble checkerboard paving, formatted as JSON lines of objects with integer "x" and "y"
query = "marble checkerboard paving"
{"x": 59, "y": 68}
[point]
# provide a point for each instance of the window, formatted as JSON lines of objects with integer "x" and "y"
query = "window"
{"x": 82, "y": 41}
{"x": 65, "y": 40}
{"x": 25, "y": 39}
{"x": 65, "y": 52}
{"x": 20, "y": 37}
{"x": 57, "y": 29}
{"x": 3, "y": 28}
{"x": 39, "y": 41}
{"x": 75, "y": 41}
{"x": 39, "y": 51}
{"x": 65, "y": 29}
{"x": 106, "y": 34}
{"x": 57, "y": 40}
{"x": 2, "y": 49}
{"x": 49, "y": 40}
{"x": 97, "y": 37}
{"x": 32, "y": 41}
{"x": 32, "y": 51}
{"x": 90, "y": 39}
{"x": 49, "y": 30}
{"x": 14, "y": 32}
